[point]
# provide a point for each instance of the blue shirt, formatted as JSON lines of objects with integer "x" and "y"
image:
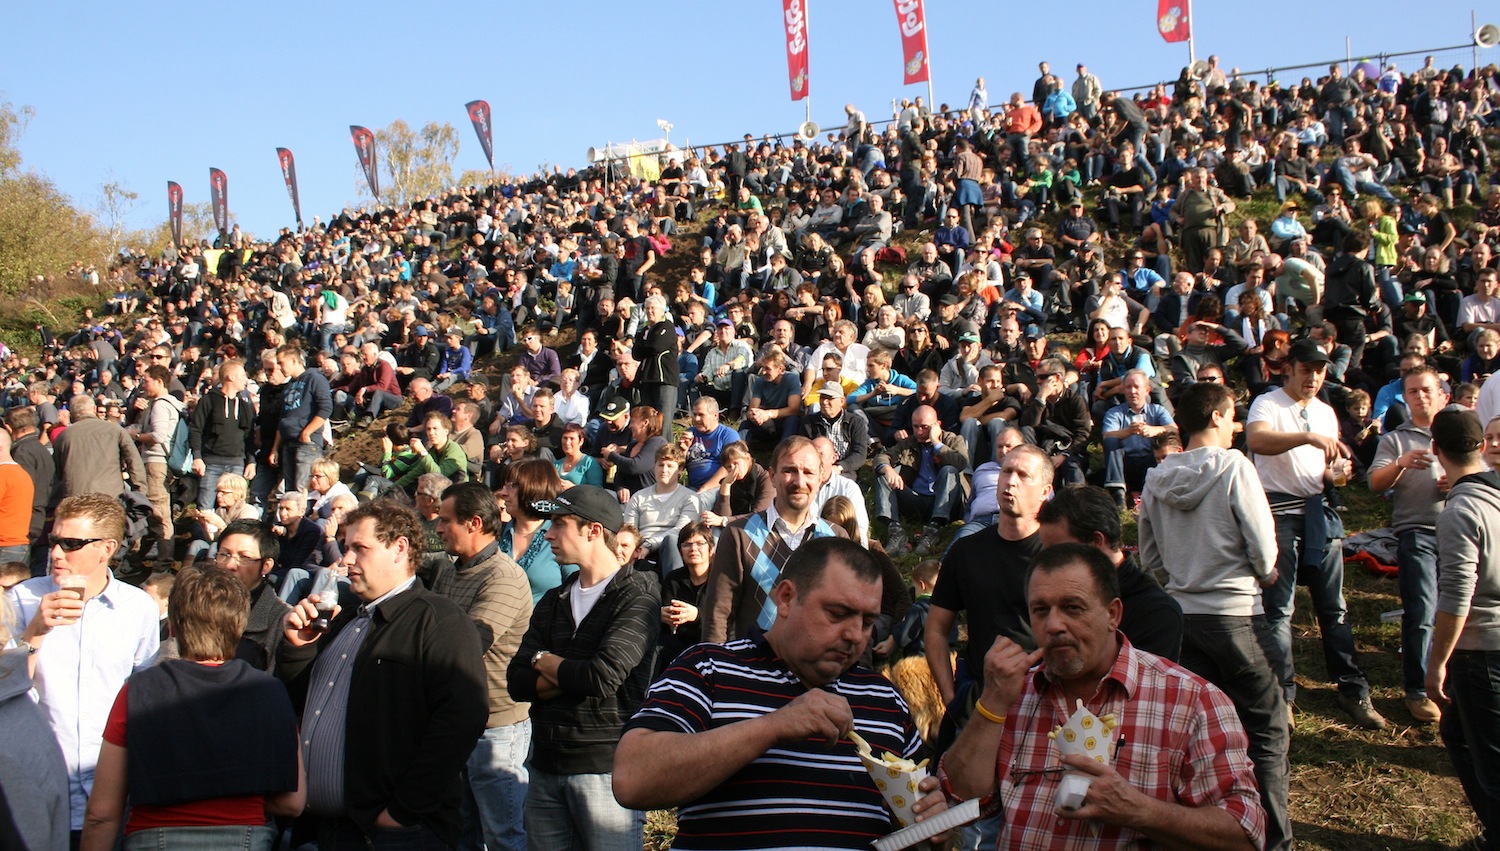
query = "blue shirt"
{"x": 1120, "y": 416}
{"x": 703, "y": 453}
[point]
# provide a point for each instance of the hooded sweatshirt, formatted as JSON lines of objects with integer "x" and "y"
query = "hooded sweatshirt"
{"x": 1206, "y": 524}
{"x": 1469, "y": 560}
{"x": 162, "y": 414}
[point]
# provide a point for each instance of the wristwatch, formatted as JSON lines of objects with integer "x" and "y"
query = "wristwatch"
{"x": 535, "y": 657}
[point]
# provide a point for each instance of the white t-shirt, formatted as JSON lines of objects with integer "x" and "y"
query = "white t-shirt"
{"x": 582, "y": 599}
{"x": 1471, "y": 309}
{"x": 1298, "y": 471}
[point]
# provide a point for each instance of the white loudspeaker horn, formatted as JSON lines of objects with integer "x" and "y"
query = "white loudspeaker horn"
{"x": 1198, "y": 70}
{"x": 1487, "y": 35}
{"x": 595, "y": 155}
{"x": 808, "y": 131}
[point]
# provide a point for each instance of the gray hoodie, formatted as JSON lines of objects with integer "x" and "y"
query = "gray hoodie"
{"x": 1206, "y": 525}
{"x": 162, "y": 414}
{"x": 33, "y": 776}
{"x": 1469, "y": 560}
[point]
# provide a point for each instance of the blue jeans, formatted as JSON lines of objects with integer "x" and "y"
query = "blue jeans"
{"x": 215, "y": 466}
{"x": 979, "y": 452}
{"x": 890, "y": 503}
{"x": 1471, "y": 730}
{"x": 494, "y": 805}
{"x": 1226, "y": 651}
{"x": 296, "y": 464}
{"x": 567, "y": 811}
{"x": 245, "y": 838}
{"x": 379, "y": 400}
{"x": 18, "y": 552}
{"x": 1416, "y": 577}
{"x": 1325, "y": 583}
{"x": 1125, "y": 469}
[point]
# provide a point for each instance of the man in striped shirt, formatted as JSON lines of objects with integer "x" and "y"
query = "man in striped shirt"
{"x": 750, "y": 739}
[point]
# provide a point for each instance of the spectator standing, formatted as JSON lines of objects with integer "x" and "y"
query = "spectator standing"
{"x": 1294, "y": 436}
{"x": 492, "y": 589}
{"x": 27, "y": 449}
{"x": 1461, "y": 667}
{"x": 16, "y": 491}
{"x": 221, "y": 431}
{"x": 157, "y": 426}
{"x": 584, "y": 664}
{"x": 751, "y": 551}
{"x": 386, "y": 743}
{"x": 306, "y": 405}
{"x": 656, "y": 350}
{"x": 82, "y": 648}
{"x": 1405, "y": 467}
{"x": 1205, "y": 524}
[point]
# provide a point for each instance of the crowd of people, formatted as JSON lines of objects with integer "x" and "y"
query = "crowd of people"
{"x": 628, "y": 429}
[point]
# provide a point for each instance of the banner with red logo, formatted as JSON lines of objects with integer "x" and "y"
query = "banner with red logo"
{"x": 913, "y": 23}
{"x": 479, "y": 113}
{"x": 289, "y": 174}
{"x": 1172, "y": 20}
{"x": 218, "y": 198}
{"x": 364, "y": 146}
{"x": 174, "y": 210}
{"x": 794, "y": 16}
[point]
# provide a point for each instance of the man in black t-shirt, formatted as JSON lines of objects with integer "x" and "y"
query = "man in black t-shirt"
{"x": 984, "y": 575}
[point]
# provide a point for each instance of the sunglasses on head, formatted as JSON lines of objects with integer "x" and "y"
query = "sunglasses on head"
{"x": 72, "y": 545}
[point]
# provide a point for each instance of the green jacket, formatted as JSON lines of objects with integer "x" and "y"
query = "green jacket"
{"x": 450, "y": 461}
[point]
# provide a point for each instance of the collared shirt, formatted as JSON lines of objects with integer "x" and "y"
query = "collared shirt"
{"x": 80, "y": 668}
{"x": 1178, "y": 740}
{"x": 324, "y": 716}
{"x": 793, "y": 537}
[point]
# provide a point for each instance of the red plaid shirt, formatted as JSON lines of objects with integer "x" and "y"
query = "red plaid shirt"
{"x": 1179, "y": 740}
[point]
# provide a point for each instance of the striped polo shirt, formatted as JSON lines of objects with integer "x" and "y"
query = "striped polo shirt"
{"x": 802, "y": 795}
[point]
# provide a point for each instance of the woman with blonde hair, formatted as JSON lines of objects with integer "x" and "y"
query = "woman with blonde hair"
{"x": 230, "y": 495}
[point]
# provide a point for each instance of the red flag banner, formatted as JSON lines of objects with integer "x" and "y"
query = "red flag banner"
{"x": 1172, "y": 20}
{"x": 913, "y": 23}
{"x": 794, "y": 16}
{"x": 218, "y": 197}
{"x": 479, "y": 113}
{"x": 174, "y": 210}
{"x": 289, "y": 174}
{"x": 364, "y": 146}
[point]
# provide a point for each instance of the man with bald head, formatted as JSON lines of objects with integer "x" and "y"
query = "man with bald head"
{"x": 374, "y": 387}
{"x": 92, "y": 455}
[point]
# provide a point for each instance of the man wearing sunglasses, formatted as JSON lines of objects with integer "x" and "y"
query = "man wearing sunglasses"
{"x": 83, "y": 648}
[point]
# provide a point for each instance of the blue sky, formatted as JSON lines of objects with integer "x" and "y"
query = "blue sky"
{"x": 165, "y": 90}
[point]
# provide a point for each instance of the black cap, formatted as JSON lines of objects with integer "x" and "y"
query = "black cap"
{"x": 949, "y": 298}
{"x": 1457, "y": 431}
{"x": 614, "y": 409}
{"x": 596, "y": 505}
{"x": 1307, "y": 351}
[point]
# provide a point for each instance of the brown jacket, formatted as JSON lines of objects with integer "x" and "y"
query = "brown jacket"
{"x": 91, "y": 455}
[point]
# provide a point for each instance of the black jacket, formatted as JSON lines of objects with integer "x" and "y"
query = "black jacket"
{"x": 656, "y": 349}
{"x": 1152, "y": 619}
{"x": 606, "y": 667}
{"x": 417, "y": 704}
{"x": 221, "y": 426}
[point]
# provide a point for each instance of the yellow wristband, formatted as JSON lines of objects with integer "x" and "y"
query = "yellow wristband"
{"x": 986, "y": 714}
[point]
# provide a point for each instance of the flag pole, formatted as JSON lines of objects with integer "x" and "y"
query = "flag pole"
{"x": 1192, "y": 25}
{"x": 807, "y": 37}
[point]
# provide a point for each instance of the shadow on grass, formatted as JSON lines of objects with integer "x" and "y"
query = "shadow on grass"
{"x": 1312, "y": 836}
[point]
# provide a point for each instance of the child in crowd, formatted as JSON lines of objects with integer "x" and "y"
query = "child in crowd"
{"x": 1466, "y": 395}
{"x": 13, "y": 573}
{"x": 1357, "y": 429}
{"x": 658, "y": 511}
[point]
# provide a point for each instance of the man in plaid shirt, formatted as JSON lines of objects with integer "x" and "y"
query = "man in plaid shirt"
{"x": 1180, "y": 774}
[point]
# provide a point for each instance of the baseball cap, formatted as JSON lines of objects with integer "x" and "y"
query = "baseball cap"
{"x": 1307, "y": 351}
{"x": 1415, "y": 298}
{"x": 724, "y": 323}
{"x": 479, "y": 380}
{"x": 831, "y": 388}
{"x": 949, "y": 298}
{"x": 422, "y": 331}
{"x": 1456, "y": 431}
{"x": 614, "y": 409}
{"x": 968, "y": 337}
{"x": 596, "y": 505}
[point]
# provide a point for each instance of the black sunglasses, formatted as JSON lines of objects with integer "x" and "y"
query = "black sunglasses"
{"x": 72, "y": 545}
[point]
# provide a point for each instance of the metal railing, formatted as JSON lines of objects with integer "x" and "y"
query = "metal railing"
{"x": 1348, "y": 60}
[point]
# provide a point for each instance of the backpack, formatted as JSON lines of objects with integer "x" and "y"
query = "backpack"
{"x": 179, "y": 455}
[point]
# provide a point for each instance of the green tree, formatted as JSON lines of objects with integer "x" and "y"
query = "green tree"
{"x": 414, "y": 163}
{"x": 13, "y": 123}
{"x": 41, "y": 232}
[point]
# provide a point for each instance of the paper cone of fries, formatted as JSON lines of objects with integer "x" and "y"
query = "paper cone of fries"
{"x": 1084, "y": 734}
{"x": 895, "y": 777}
